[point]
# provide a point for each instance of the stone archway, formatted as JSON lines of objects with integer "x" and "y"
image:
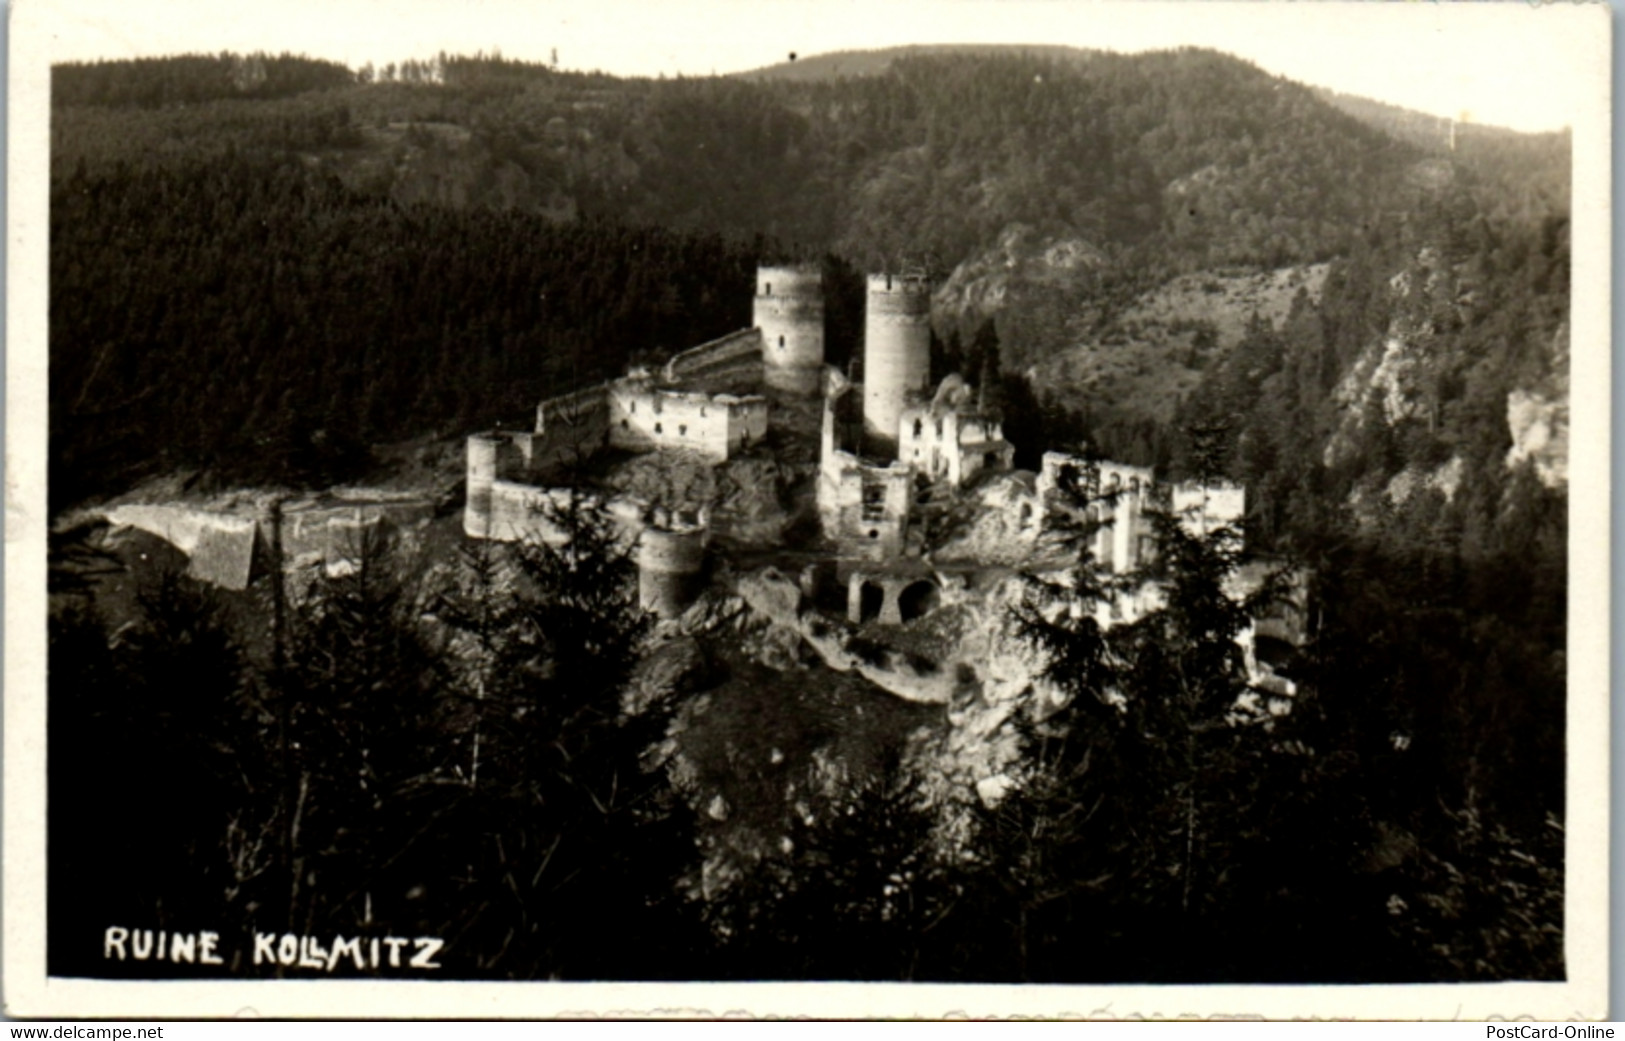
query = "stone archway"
{"x": 916, "y": 599}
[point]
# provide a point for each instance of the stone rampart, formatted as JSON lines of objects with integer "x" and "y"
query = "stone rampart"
{"x": 740, "y": 348}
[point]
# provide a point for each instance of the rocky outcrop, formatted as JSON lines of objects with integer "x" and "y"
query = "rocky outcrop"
{"x": 981, "y": 286}
{"x": 1540, "y": 434}
{"x": 1538, "y": 419}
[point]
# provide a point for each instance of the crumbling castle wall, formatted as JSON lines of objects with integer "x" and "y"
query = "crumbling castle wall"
{"x": 737, "y": 350}
{"x": 862, "y": 507}
{"x": 1116, "y": 497}
{"x": 645, "y": 417}
{"x": 569, "y": 429}
{"x": 952, "y": 443}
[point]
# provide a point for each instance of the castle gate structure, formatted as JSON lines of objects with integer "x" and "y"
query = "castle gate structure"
{"x": 789, "y": 311}
{"x": 896, "y": 355}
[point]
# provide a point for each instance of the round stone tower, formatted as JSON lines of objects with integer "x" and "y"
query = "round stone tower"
{"x": 484, "y": 455}
{"x": 896, "y": 354}
{"x": 671, "y": 555}
{"x": 789, "y": 309}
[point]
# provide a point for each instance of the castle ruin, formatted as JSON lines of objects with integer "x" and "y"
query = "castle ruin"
{"x": 895, "y": 458}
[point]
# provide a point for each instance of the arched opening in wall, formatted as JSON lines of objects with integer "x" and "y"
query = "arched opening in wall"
{"x": 1026, "y": 515}
{"x": 919, "y": 428}
{"x": 658, "y": 429}
{"x": 682, "y": 431}
{"x": 990, "y": 459}
{"x": 917, "y": 599}
{"x": 870, "y": 600}
{"x": 626, "y": 424}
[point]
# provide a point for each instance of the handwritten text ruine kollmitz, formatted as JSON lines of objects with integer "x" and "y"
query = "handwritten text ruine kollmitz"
{"x": 289, "y": 950}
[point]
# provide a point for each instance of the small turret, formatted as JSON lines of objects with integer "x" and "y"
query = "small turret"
{"x": 671, "y": 560}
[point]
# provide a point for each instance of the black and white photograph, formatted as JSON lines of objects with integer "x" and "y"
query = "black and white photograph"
{"x": 808, "y": 508}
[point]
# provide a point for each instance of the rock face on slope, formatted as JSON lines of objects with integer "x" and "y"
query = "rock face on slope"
{"x": 983, "y": 285}
{"x": 1538, "y": 418}
{"x": 1396, "y": 380}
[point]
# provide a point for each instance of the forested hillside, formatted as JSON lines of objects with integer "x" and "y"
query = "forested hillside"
{"x": 434, "y": 206}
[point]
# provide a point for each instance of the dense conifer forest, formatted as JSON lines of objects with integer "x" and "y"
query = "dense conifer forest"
{"x": 263, "y": 268}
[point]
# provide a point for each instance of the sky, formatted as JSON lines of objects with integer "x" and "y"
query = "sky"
{"x": 1525, "y": 66}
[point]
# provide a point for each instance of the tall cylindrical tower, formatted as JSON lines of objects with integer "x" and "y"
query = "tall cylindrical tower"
{"x": 896, "y": 354}
{"x": 669, "y": 565}
{"x": 484, "y": 452}
{"x": 789, "y": 310}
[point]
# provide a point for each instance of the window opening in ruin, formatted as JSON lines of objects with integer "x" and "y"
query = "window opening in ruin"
{"x": 634, "y": 409}
{"x": 919, "y": 428}
{"x": 702, "y": 411}
{"x": 1026, "y": 515}
{"x": 682, "y": 431}
{"x": 916, "y": 600}
{"x": 658, "y": 430}
{"x": 990, "y": 459}
{"x": 874, "y": 503}
{"x": 939, "y": 429}
{"x": 768, "y": 291}
{"x": 781, "y": 343}
{"x": 888, "y": 282}
{"x": 626, "y": 424}
{"x": 870, "y": 600}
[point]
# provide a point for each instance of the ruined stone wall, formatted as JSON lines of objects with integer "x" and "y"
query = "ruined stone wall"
{"x": 741, "y": 348}
{"x": 789, "y": 311}
{"x": 1118, "y": 496}
{"x": 747, "y": 422}
{"x": 644, "y": 417}
{"x": 896, "y": 354}
{"x": 1203, "y": 509}
{"x": 1125, "y": 490}
{"x": 569, "y": 429}
{"x": 953, "y": 445}
{"x": 864, "y": 509}
{"x": 524, "y": 513}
